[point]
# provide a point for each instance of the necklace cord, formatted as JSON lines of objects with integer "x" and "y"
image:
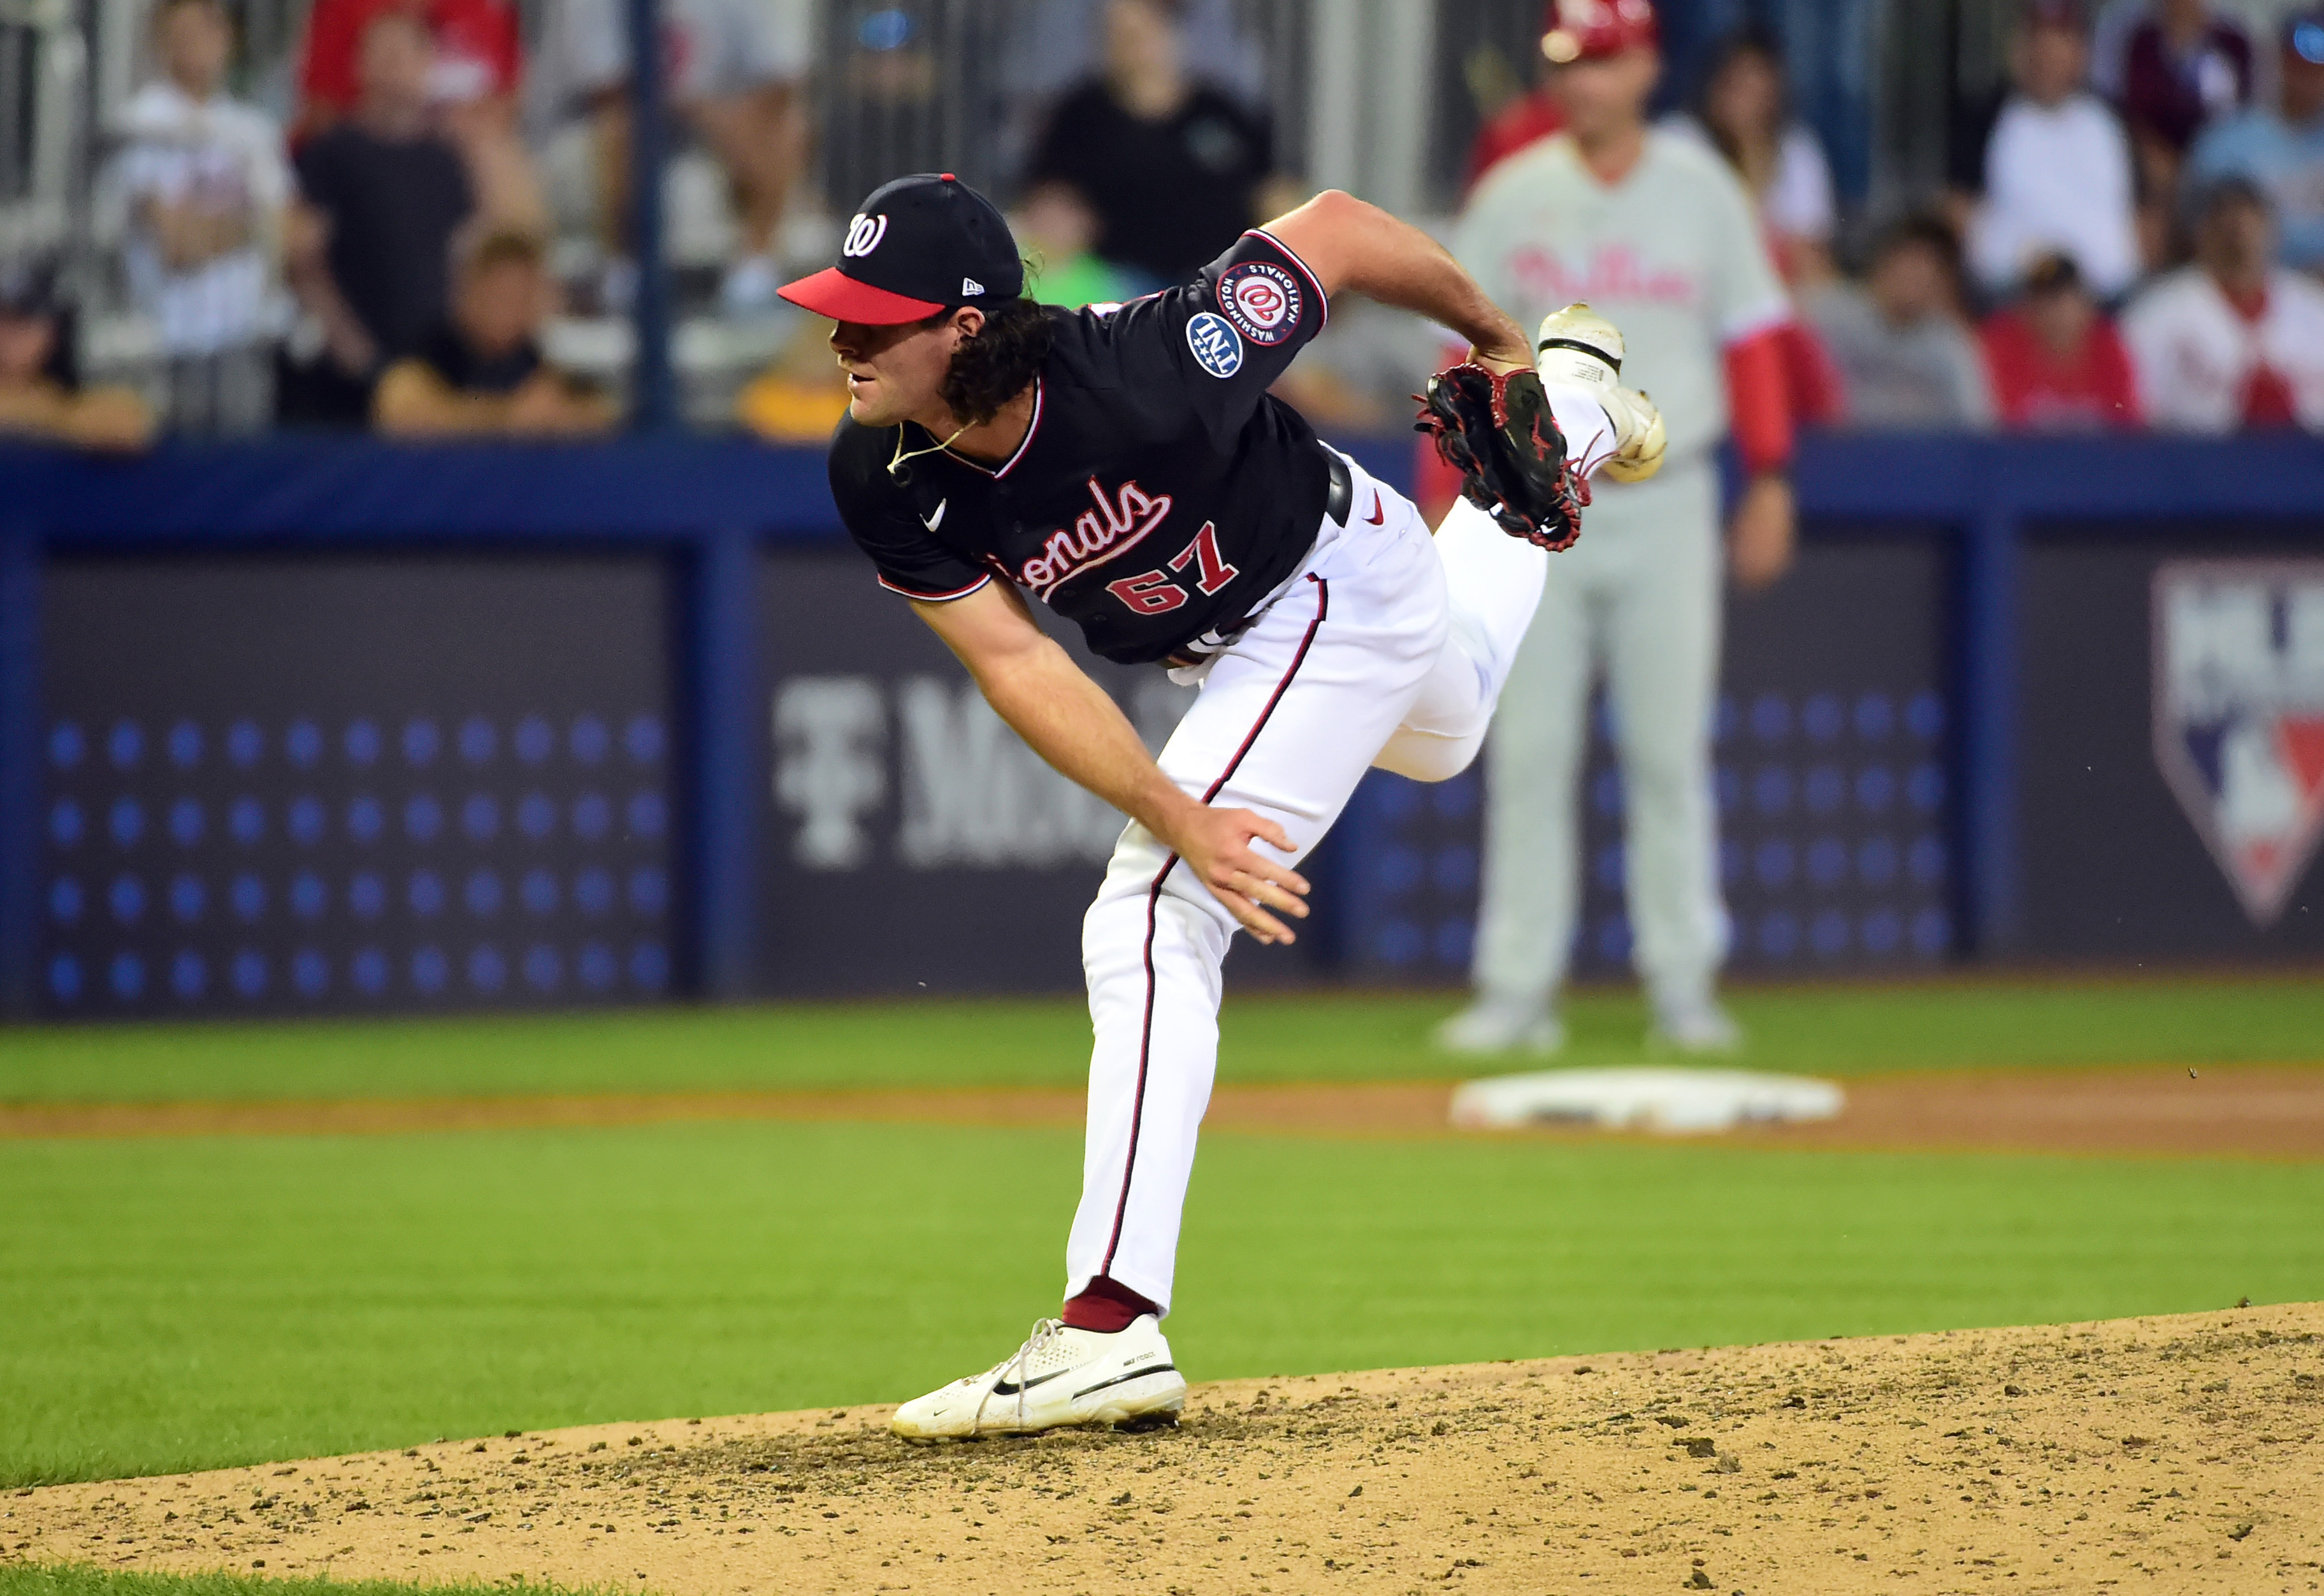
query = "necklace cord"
{"x": 896, "y": 466}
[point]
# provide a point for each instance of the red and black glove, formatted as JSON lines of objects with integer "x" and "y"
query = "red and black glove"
{"x": 1495, "y": 428}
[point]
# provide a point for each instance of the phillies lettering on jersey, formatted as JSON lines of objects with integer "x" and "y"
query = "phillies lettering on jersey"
{"x": 1160, "y": 494}
{"x": 1672, "y": 253}
{"x": 1610, "y": 274}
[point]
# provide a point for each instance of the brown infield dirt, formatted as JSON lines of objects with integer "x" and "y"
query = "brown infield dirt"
{"x": 2163, "y": 1454}
{"x": 2246, "y": 1111}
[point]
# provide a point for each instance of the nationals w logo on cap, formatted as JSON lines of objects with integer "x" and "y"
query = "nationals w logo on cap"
{"x": 916, "y": 245}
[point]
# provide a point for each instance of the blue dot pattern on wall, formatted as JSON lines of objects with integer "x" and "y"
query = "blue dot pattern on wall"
{"x": 1834, "y": 817}
{"x": 355, "y": 863}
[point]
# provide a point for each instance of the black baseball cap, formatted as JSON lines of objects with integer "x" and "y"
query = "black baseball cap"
{"x": 916, "y": 245}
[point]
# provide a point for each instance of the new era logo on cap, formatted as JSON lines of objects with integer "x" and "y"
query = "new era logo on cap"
{"x": 910, "y": 242}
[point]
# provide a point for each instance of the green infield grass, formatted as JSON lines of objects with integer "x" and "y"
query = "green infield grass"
{"x": 911, "y": 1042}
{"x": 184, "y": 1303}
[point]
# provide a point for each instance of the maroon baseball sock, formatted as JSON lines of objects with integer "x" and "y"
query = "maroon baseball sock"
{"x": 1105, "y": 1306}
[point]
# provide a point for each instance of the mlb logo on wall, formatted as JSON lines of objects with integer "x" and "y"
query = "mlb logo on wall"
{"x": 2239, "y": 716}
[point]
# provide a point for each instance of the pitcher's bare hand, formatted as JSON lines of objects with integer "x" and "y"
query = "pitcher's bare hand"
{"x": 1216, "y": 845}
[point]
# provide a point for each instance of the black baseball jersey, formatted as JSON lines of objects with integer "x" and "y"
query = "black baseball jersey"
{"x": 1161, "y": 491}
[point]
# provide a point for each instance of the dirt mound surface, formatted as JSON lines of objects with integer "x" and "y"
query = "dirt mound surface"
{"x": 2167, "y": 1455}
{"x": 2236, "y": 1111}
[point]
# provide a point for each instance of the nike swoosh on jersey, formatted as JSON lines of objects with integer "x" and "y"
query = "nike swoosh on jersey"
{"x": 1003, "y": 1389}
{"x": 1377, "y": 517}
{"x": 934, "y": 521}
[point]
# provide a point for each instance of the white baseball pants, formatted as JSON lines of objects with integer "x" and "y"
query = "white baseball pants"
{"x": 1389, "y": 648}
{"x": 1638, "y": 599}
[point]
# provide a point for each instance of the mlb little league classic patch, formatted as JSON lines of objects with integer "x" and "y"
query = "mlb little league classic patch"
{"x": 2239, "y": 716}
{"x": 1262, "y": 299}
{"x": 1218, "y": 350}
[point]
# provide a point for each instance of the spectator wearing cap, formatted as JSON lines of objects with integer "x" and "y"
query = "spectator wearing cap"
{"x": 2058, "y": 176}
{"x": 2056, "y": 361}
{"x": 2280, "y": 151}
{"x": 473, "y": 77}
{"x": 2232, "y": 340}
{"x": 1172, "y": 167}
{"x": 1904, "y": 354}
{"x": 383, "y": 193}
{"x": 480, "y": 372}
{"x": 735, "y": 70}
{"x": 203, "y": 181}
{"x": 39, "y": 394}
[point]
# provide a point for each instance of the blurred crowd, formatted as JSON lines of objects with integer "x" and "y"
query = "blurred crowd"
{"x": 2130, "y": 235}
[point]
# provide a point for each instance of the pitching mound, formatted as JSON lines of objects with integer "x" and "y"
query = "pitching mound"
{"x": 2155, "y": 1454}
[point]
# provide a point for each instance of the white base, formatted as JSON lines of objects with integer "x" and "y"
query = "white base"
{"x": 1667, "y": 1102}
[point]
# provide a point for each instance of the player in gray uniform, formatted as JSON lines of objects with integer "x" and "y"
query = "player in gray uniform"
{"x": 1654, "y": 232}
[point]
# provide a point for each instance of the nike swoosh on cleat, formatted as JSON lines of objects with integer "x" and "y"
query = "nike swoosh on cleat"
{"x": 1376, "y": 517}
{"x": 1122, "y": 1378}
{"x": 1003, "y": 1389}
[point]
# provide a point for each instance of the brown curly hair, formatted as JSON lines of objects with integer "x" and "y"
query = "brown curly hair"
{"x": 998, "y": 364}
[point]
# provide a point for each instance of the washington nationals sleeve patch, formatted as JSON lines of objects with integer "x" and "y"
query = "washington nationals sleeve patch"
{"x": 1261, "y": 299}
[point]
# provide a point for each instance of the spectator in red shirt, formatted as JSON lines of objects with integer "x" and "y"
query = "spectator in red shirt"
{"x": 2057, "y": 363}
{"x": 473, "y": 80}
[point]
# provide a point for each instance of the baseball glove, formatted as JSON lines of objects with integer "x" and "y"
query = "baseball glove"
{"x": 1496, "y": 430}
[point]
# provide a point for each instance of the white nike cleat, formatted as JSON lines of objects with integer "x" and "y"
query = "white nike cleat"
{"x": 1061, "y": 1376}
{"x": 1577, "y": 347}
{"x": 1698, "y": 1026}
{"x": 1498, "y": 1025}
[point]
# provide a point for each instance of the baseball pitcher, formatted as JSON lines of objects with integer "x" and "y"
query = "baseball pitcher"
{"x": 1654, "y": 232}
{"x": 1126, "y": 466}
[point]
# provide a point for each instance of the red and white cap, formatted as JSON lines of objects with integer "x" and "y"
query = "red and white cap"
{"x": 1588, "y": 29}
{"x": 918, "y": 245}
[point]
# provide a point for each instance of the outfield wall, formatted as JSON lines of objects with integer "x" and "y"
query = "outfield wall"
{"x": 336, "y": 726}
